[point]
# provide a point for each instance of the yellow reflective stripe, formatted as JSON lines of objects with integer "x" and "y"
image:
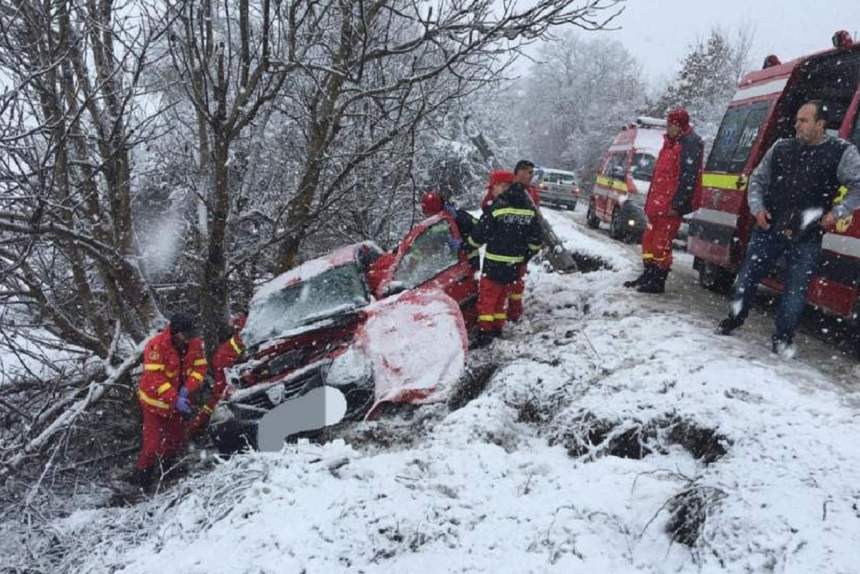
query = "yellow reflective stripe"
{"x": 170, "y": 374}
{"x": 163, "y": 389}
{"x": 235, "y": 345}
{"x": 513, "y": 211}
{"x": 472, "y": 242}
{"x": 207, "y": 409}
{"x": 647, "y": 256}
{"x": 199, "y": 362}
{"x": 516, "y": 296}
{"x": 498, "y": 316}
{"x": 724, "y": 181}
{"x": 486, "y": 317}
{"x": 153, "y": 366}
{"x": 471, "y": 254}
{"x": 840, "y": 194}
{"x": 504, "y": 258}
{"x": 150, "y": 401}
{"x": 197, "y": 376}
{"x": 615, "y": 184}
{"x": 535, "y": 246}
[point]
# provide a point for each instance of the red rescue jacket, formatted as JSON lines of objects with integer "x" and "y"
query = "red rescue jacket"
{"x": 676, "y": 185}
{"x": 165, "y": 372}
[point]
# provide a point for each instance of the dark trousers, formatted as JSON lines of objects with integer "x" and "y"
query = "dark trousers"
{"x": 763, "y": 250}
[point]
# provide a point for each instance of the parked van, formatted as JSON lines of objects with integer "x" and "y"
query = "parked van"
{"x": 557, "y": 187}
{"x": 762, "y": 110}
{"x": 624, "y": 178}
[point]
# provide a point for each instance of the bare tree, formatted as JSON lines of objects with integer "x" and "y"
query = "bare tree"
{"x": 269, "y": 117}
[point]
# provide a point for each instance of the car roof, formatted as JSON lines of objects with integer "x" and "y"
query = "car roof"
{"x": 552, "y": 170}
{"x": 313, "y": 267}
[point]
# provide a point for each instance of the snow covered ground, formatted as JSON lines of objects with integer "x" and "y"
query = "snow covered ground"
{"x": 613, "y": 419}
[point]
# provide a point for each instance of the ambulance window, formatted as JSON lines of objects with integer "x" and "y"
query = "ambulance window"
{"x": 616, "y": 166}
{"x": 736, "y": 137}
{"x": 643, "y": 166}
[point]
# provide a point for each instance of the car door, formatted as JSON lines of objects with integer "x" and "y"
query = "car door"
{"x": 426, "y": 259}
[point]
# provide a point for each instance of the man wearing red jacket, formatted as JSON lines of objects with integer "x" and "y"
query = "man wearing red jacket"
{"x": 675, "y": 190}
{"x": 226, "y": 355}
{"x": 174, "y": 365}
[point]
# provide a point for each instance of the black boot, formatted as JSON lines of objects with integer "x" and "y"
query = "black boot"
{"x": 728, "y": 325}
{"x": 656, "y": 282}
{"x": 638, "y": 281}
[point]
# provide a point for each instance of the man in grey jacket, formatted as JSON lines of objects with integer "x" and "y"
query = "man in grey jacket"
{"x": 791, "y": 195}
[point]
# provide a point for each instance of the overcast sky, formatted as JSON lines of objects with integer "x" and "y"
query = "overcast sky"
{"x": 658, "y": 32}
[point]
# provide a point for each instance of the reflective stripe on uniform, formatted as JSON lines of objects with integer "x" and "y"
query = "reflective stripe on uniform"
{"x": 516, "y": 296}
{"x": 197, "y": 376}
{"x": 163, "y": 389}
{"x": 199, "y": 362}
{"x": 504, "y": 258}
{"x": 153, "y": 402}
{"x": 472, "y": 242}
{"x": 535, "y": 246}
{"x": 153, "y": 366}
{"x": 207, "y": 409}
{"x": 235, "y": 345}
{"x": 513, "y": 211}
{"x": 498, "y": 316}
{"x": 471, "y": 254}
{"x": 486, "y": 318}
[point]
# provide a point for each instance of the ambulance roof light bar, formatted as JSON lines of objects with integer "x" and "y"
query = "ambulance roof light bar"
{"x": 648, "y": 122}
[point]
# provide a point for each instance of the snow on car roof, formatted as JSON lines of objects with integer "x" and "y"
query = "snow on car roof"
{"x": 310, "y": 269}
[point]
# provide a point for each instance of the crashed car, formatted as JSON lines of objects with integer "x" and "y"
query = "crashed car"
{"x": 342, "y": 335}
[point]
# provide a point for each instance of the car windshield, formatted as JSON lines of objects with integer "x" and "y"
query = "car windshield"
{"x": 333, "y": 292}
{"x": 429, "y": 255}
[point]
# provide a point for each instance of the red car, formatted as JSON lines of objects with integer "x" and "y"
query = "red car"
{"x": 341, "y": 335}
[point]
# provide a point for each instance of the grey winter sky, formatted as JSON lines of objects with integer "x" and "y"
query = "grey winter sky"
{"x": 658, "y": 32}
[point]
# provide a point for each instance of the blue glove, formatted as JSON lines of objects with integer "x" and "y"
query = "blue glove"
{"x": 454, "y": 244}
{"x": 452, "y": 211}
{"x": 182, "y": 405}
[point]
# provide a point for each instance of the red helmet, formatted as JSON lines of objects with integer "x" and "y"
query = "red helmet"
{"x": 431, "y": 203}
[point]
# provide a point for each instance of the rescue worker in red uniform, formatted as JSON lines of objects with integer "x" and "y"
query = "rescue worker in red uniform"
{"x": 174, "y": 365}
{"x": 226, "y": 355}
{"x": 676, "y": 187}
{"x": 510, "y": 230}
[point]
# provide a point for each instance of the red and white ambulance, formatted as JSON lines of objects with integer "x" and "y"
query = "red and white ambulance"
{"x": 622, "y": 184}
{"x": 762, "y": 110}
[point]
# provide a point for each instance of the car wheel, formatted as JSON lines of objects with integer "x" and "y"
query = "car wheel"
{"x": 715, "y": 278}
{"x": 616, "y": 226}
{"x": 591, "y": 218}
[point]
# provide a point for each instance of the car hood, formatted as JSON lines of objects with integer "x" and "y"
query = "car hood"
{"x": 416, "y": 345}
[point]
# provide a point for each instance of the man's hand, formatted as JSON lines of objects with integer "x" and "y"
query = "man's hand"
{"x": 828, "y": 222}
{"x": 762, "y": 219}
{"x": 182, "y": 405}
{"x": 454, "y": 244}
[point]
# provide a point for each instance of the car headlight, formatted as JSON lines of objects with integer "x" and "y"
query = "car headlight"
{"x": 348, "y": 368}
